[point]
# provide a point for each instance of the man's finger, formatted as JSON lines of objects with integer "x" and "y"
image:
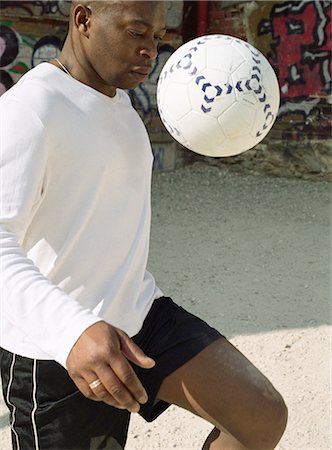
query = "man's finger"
{"x": 132, "y": 352}
{"x": 118, "y": 381}
{"x": 128, "y": 377}
{"x": 100, "y": 394}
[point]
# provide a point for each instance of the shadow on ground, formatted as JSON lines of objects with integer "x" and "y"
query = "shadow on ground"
{"x": 254, "y": 250}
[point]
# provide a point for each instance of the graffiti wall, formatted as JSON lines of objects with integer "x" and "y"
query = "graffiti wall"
{"x": 299, "y": 39}
{"x": 34, "y": 31}
{"x": 57, "y": 9}
{"x": 25, "y": 43}
{"x": 294, "y": 35}
{"x": 22, "y": 49}
{"x": 296, "y": 38}
{"x": 300, "y": 46}
{"x": 30, "y": 32}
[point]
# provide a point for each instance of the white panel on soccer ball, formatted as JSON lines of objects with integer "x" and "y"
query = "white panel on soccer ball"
{"x": 213, "y": 40}
{"x": 236, "y": 145}
{"x": 223, "y": 57}
{"x": 249, "y": 99}
{"x": 173, "y": 130}
{"x": 242, "y": 48}
{"x": 183, "y": 65}
{"x": 242, "y": 74}
{"x": 175, "y": 101}
{"x": 237, "y": 120}
{"x": 179, "y": 75}
{"x": 202, "y": 133}
{"x": 211, "y": 92}
{"x": 224, "y": 38}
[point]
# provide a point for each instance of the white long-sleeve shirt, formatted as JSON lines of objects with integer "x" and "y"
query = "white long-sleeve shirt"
{"x": 74, "y": 214}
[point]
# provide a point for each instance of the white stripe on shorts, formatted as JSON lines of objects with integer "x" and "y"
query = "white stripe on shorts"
{"x": 12, "y": 422}
{"x": 34, "y": 399}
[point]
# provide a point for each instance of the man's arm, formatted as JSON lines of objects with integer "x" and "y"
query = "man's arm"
{"x": 47, "y": 316}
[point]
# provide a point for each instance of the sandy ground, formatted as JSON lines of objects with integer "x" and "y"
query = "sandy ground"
{"x": 251, "y": 255}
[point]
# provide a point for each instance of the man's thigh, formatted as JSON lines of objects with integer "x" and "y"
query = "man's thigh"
{"x": 171, "y": 336}
{"x": 222, "y": 386}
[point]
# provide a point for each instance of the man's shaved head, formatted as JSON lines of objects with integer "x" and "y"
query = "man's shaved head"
{"x": 100, "y": 5}
{"x": 104, "y": 5}
{"x": 112, "y": 43}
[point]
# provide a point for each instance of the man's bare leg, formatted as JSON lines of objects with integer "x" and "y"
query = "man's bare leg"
{"x": 222, "y": 439}
{"x": 223, "y": 387}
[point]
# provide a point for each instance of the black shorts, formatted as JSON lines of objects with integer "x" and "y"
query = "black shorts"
{"x": 48, "y": 412}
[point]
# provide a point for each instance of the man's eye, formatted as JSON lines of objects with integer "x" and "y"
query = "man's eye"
{"x": 135, "y": 33}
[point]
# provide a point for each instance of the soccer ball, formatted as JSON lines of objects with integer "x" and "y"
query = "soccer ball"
{"x": 218, "y": 95}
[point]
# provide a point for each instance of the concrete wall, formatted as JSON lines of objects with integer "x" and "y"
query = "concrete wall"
{"x": 295, "y": 36}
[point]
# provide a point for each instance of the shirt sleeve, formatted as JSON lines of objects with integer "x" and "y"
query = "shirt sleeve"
{"x": 46, "y": 315}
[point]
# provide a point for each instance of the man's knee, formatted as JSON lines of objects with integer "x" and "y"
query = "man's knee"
{"x": 270, "y": 421}
{"x": 276, "y": 424}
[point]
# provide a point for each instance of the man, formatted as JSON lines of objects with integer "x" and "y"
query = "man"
{"x": 75, "y": 221}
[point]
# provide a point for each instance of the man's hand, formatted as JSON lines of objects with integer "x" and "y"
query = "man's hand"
{"x": 102, "y": 352}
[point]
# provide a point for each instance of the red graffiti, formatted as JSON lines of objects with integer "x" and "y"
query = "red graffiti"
{"x": 301, "y": 33}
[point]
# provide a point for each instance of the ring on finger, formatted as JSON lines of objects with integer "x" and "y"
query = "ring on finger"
{"x": 94, "y": 384}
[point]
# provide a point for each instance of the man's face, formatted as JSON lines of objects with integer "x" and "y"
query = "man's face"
{"x": 123, "y": 42}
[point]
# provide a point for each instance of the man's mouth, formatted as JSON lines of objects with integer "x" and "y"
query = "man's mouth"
{"x": 141, "y": 73}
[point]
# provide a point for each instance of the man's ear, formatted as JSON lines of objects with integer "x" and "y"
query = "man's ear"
{"x": 82, "y": 19}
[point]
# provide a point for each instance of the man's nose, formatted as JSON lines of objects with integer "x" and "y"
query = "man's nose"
{"x": 150, "y": 49}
